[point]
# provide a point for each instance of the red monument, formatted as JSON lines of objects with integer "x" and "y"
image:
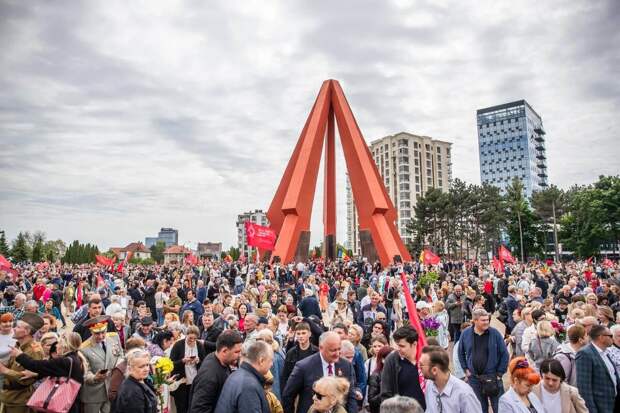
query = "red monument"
{"x": 291, "y": 208}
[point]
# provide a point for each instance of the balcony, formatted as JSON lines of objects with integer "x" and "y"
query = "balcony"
{"x": 542, "y": 174}
{"x": 539, "y": 130}
{"x": 541, "y": 156}
{"x": 543, "y": 184}
{"x": 539, "y": 138}
{"x": 540, "y": 146}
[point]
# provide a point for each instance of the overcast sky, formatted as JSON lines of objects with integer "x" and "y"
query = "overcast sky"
{"x": 118, "y": 118}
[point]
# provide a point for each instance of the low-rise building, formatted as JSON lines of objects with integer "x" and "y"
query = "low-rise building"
{"x": 175, "y": 254}
{"x": 209, "y": 250}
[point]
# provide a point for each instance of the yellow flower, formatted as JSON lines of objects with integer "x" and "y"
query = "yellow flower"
{"x": 165, "y": 365}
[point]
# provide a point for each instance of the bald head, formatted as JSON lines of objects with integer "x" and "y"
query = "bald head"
{"x": 329, "y": 346}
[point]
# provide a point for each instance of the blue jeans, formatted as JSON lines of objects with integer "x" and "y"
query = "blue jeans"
{"x": 484, "y": 401}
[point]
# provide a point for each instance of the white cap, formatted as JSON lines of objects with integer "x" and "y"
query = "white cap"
{"x": 421, "y": 305}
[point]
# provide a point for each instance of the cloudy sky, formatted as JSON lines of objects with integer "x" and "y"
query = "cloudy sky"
{"x": 117, "y": 117}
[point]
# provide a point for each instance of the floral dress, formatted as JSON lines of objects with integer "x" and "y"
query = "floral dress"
{"x": 443, "y": 336}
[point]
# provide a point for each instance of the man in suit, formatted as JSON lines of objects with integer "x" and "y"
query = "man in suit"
{"x": 327, "y": 362}
{"x": 597, "y": 380}
{"x": 95, "y": 309}
{"x": 103, "y": 351}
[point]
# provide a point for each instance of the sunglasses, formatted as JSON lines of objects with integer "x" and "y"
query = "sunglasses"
{"x": 318, "y": 395}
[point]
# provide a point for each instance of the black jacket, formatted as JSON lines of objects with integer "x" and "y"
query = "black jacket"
{"x": 374, "y": 392}
{"x": 292, "y": 357}
{"x": 209, "y": 337}
{"x": 389, "y": 377}
{"x": 178, "y": 353}
{"x": 135, "y": 397}
{"x": 58, "y": 367}
{"x": 207, "y": 385}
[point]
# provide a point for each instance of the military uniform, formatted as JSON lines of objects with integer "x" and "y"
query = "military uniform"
{"x": 15, "y": 393}
{"x": 94, "y": 394}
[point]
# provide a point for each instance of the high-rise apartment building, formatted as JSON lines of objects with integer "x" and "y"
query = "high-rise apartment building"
{"x": 257, "y": 217}
{"x": 170, "y": 236}
{"x": 409, "y": 165}
{"x": 511, "y": 142}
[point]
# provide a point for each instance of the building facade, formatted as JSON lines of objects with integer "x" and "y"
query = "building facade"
{"x": 169, "y": 236}
{"x": 211, "y": 250}
{"x": 258, "y": 217}
{"x": 409, "y": 165}
{"x": 511, "y": 143}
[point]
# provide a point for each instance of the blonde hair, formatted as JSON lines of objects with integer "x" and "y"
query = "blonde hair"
{"x": 337, "y": 387}
{"x": 544, "y": 329}
{"x": 438, "y": 306}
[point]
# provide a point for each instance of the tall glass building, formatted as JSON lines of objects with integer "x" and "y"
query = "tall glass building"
{"x": 511, "y": 142}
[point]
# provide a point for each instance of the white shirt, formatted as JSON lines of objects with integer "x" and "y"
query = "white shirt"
{"x": 456, "y": 397}
{"x": 551, "y": 401}
{"x": 190, "y": 369}
{"x": 325, "y": 368}
{"x": 608, "y": 364}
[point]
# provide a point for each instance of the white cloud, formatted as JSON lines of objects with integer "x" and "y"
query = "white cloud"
{"x": 118, "y": 118}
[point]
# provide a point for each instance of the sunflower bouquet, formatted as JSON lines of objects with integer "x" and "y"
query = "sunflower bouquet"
{"x": 161, "y": 373}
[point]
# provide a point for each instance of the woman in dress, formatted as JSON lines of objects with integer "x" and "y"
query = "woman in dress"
{"x": 441, "y": 315}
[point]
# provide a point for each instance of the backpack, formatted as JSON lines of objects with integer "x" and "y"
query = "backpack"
{"x": 570, "y": 374}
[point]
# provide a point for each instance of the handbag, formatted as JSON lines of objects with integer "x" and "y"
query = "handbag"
{"x": 489, "y": 385}
{"x": 55, "y": 394}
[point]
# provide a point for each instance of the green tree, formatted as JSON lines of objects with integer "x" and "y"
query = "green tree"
{"x": 4, "y": 246}
{"x": 523, "y": 226}
{"x": 157, "y": 251}
{"x": 20, "y": 250}
{"x": 37, "y": 251}
{"x": 234, "y": 253}
{"x": 608, "y": 194}
{"x": 549, "y": 205}
{"x": 583, "y": 227}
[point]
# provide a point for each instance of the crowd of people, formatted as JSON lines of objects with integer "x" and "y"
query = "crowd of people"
{"x": 329, "y": 337}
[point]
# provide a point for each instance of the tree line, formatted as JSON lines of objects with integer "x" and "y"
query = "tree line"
{"x": 472, "y": 220}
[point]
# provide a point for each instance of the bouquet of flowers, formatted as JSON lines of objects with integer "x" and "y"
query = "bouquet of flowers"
{"x": 560, "y": 331}
{"x": 430, "y": 326}
{"x": 162, "y": 369}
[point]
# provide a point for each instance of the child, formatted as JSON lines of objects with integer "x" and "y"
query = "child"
{"x": 441, "y": 315}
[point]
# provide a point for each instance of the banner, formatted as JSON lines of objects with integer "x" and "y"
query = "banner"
{"x": 415, "y": 323}
{"x": 505, "y": 255}
{"x": 4, "y": 263}
{"x": 428, "y": 257}
{"x": 260, "y": 237}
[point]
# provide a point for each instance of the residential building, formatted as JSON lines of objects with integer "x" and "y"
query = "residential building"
{"x": 209, "y": 250}
{"x": 137, "y": 249}
{"x": 409, "y": 165}
{"x": 258, "y": 217}
{"x": 175, "y": 254}
{"x": 511, "y": 143}
{"x": 169, "y": 236}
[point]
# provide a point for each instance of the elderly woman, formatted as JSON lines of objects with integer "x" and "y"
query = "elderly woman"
{"x": 554, "y": 393}
{"x": 70, "y": 363}
{"x": 136, "y": 395}
{"x": 519, "y": 398}
{"x": 329, "y": 393}
{"x": 123, "y": 330}
{"x": 278, "y": 359}
{"x": 120, "y": 370}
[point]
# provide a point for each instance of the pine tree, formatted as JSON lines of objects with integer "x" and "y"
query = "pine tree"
{"x": 4, "y": 247}
{"x": 20, "y": 251}
{"x": 37, "y": 251}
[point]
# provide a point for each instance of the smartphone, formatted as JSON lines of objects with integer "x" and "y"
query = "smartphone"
{"x": 192, "y": 357}
{"x": 104, "y": 371}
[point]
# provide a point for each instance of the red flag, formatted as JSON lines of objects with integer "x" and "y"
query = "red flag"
{"x": 103, "y": 260}
{"x": 589, "y": 260}
{"x": 42, "y": 266}
{"x": 607, "y": 263}
{"x": 430, "y": 258}
{"x": 415, "y": 323}
{"x": 121, "y": 265}
{"x": 191, "y": 259}
{"x": 4, "y": 263}
{"x": 505, "y": 255}
{"x": 498, "y": 265}
{"x": 259, "y": 236}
